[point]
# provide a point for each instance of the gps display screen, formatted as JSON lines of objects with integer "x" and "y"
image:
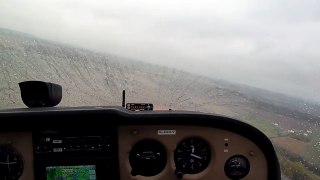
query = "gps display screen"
{"x": 84, "y": 172}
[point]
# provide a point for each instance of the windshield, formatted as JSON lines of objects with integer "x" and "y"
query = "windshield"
{"x": 256, "y": 61}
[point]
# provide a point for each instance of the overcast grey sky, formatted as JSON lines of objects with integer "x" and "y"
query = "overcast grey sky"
{"x": 271, "y": 44}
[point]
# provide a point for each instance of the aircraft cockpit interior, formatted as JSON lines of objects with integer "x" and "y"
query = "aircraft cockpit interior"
{"x": 132, "y": 142}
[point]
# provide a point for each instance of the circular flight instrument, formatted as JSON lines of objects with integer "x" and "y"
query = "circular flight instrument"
{"x": 237, "y": 167}
{"x": 192, "y": 156}
{"x": 147, "y": 158}
{"x": 11, "y": 165}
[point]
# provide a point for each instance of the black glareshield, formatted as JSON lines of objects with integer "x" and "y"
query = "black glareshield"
{"x": 40, "y": 94}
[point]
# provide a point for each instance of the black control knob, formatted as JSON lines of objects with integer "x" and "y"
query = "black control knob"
{"x": 237, "y": 167}
{"x": 179, "y": 174}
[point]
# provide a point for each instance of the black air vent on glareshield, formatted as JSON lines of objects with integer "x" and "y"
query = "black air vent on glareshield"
{"x": 40, "y": 94}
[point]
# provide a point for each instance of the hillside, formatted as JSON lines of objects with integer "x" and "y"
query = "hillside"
{"x": 90, "y": 78}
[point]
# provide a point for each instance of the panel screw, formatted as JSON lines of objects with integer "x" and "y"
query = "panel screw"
{"x": 134, "y": 132}
{"x": 251, "y": 153}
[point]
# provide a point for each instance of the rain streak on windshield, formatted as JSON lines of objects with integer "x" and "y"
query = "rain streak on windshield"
{"x": 257, "y": 61}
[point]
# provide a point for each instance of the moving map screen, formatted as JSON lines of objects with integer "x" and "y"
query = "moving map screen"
{"x": 85, "y": 172}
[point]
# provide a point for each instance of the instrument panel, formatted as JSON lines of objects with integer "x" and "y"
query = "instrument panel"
{"x": 187, "y": 152}
{"x": 109, "y": 143}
